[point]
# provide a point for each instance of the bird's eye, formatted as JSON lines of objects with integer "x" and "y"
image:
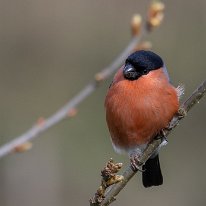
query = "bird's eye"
{"x": 145, "y": 71}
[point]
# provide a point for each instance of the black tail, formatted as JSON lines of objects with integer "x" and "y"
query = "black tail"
{"x": 152, "y": 176}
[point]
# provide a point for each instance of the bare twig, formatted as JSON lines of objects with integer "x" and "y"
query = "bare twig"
{"x": 65, "y": 111}
{"x": 129, "y": 173}
{"x": 69, "y": 110}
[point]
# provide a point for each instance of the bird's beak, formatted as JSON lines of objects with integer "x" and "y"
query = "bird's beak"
{"x": 130, "y": 72}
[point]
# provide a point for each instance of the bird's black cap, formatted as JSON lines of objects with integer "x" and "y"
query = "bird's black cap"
{"x": 141, "y": 63}
{"x": 145, "y": 59}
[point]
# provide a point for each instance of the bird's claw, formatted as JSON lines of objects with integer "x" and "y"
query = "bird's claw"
{"x": 135, "y": 164}
{"x": 181, "y": 113}
{"x": 169, "y": 126}
{"x": 162, "y": 136}
{"x": 163, "y": 133}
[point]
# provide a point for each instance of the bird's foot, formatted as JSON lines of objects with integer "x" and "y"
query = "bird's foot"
{"x": 170, "y": 126}
{"x": 181, "y": 113}
{"x": 135, "y": 163}
{"x": 162, "y": 136}
{"x": 163, "y": 133}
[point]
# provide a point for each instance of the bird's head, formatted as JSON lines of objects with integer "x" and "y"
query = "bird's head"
{"x": 141, "y": 63}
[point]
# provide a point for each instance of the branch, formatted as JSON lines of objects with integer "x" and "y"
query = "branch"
{"x": 65, "y": 111}
{"x": 21, "y": 143}
{"x": 129, "y": 173}
{"x": 154, "y": 19}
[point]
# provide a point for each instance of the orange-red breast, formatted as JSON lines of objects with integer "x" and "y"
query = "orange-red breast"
{"x": 140, "y": 102}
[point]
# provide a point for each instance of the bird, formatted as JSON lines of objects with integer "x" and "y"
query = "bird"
{"x": 139, "y": 104}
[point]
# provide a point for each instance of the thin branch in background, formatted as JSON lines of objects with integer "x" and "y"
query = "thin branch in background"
{"x": 63, "y": 112}
{"x": 69, "y": 108}
{"x": 111, "y": 194}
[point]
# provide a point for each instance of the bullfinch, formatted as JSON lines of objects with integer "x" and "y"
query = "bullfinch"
{"x": 140, "y": 102}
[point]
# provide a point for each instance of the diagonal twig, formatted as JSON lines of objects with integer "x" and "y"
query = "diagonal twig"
{"x": 17, "y": 144}
{"x": 129, "y": 173}
{"x": 63, "y": 112}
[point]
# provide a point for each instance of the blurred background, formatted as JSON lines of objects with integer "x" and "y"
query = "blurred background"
{"x": 49, "y": 50}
